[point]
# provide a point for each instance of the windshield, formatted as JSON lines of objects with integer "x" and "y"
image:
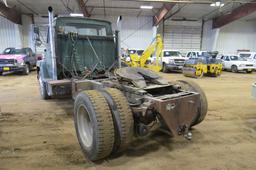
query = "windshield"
{"x": 172, "y": 53}
{"x": 203, "y": 54}
{"x": 14, "y": 51}
{"x": 84, "y": 29}
{"x": 236, "y": 58}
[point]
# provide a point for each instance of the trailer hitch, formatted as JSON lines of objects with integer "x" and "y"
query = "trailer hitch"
{"x": 184, "y": 130}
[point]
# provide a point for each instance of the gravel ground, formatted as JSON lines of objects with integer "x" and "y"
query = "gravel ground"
{"x": 38, "y": 134}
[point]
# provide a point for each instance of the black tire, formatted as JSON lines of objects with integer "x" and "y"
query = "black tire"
{"x": 249, "y": 72}
{"x": 164, "y": 69}
{"x": 234, "y": 69}
{"x": 94, "y": 125}
{"x": 42, "y": 89}
{"x": 122, "y": 117}
{"x": 191, "y": 86}
{"x": 26, "y": 70}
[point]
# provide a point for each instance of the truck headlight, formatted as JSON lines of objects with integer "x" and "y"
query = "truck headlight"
{"x": 21, "y": 63}
{"x": 171, "y": 62}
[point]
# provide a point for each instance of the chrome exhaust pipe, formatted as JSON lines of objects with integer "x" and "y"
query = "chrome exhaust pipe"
{"x": 52, "y": 43}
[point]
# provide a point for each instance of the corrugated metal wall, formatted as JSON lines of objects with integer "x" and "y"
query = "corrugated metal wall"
{"x": 182, "y": 35}
{"x": 238, "y": 35}
{"x": 10, "y": 34}
{"x": 136, "y": 32}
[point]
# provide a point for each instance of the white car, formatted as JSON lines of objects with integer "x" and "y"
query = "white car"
{"x": 250, "y": 56}
{"x": 172, "y": 60}
{"x": 236, "y": 63}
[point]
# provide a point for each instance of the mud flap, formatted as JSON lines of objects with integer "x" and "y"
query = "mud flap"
{"x": 178, "y": 114}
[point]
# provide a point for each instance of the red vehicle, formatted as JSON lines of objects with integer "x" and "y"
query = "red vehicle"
{"x": 18, "y": 60}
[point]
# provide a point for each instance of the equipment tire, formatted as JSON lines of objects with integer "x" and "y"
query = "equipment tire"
{"x": 122, "y": 117}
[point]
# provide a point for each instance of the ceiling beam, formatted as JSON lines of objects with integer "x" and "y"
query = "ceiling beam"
{"x": 236, "y": 14}
{"x": 83, "y": 8}
{"x": 10, "y": 13}
{"x": 162, "y": 13}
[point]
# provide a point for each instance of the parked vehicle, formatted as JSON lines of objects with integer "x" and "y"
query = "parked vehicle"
{"x": 247, "y": 55}
{"x": 17, "y": 60}
{"x": 172, "y": 60}
{"x": 235, "y": 64}
{"x": 112, "y": 105}
{"x": 201, "y": 63}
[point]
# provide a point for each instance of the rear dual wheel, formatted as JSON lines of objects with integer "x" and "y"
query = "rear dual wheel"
{"x": 103, "y": 122}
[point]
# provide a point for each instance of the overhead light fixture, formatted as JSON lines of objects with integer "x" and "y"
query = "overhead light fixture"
{"x": 76, "y": 15}
{"x": 217, "y": 3}
{"x": 146, "y": 7}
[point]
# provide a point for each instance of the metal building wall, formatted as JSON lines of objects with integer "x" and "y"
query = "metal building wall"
{"x": 10, "y": 34}
{"x": 238, "y": 35}
{"x": 182, "y": 35}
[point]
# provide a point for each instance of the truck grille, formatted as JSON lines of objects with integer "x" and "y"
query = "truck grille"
{"x": 179, "y": 61}
{"x": 7, "y": 61}
{"x": 249, "y": 65}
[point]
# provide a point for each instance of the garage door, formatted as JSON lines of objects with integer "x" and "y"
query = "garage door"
{"x": 182, "y": 35}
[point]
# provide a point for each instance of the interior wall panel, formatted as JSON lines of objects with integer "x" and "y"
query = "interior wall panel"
{"x": 10, "y": 34}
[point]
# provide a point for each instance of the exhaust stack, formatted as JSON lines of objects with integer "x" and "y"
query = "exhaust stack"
{"x": 52, "y": 43}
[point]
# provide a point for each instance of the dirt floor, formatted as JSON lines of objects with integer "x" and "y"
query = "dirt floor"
{"x": 38, "y": 134}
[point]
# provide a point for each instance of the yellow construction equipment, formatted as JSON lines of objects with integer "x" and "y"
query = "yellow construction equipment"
{"x": 194, "y": 67}
{"x": 137, "y": 60}
{"x": 198, "y": 67}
